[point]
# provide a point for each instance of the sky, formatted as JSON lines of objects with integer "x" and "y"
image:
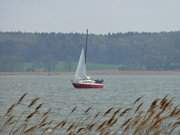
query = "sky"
{"x": 99, "y": 16}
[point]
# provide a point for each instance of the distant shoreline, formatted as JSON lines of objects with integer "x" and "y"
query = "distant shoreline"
{"x": 100, "y": 72}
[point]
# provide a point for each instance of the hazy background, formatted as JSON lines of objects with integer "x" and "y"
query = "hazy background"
{"x": 47, "y": 35}
{"x": 100, "y": 16}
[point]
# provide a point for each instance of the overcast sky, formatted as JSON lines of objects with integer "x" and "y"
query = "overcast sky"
{"x": 99, "y": 16}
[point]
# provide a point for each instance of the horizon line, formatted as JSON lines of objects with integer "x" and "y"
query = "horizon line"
{"x": 38, "y": 32}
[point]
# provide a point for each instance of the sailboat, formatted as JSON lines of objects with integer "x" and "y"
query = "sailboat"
{"x": 81, "y": 79}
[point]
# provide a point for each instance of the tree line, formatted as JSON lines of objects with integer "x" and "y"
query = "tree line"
{"x": 60, "y": 51}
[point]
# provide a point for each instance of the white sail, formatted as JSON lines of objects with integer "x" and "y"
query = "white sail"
{"x": 81, "y": 68}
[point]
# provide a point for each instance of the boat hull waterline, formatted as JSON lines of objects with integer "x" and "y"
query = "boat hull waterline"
{"x": 88, "y": 85}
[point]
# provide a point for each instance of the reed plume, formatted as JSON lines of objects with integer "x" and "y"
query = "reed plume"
{"x": 10, "y": 109}
{"x": 138, "y": 108}
{"x": 88, "y": 109}
{"x": 125, "y": 111}
{"x": 21, "y": 98}
{"x": 161, "y": 117}
{"x": 30, "y": 130}
{"x": 33, "y": 101}
{"x": 108, "y": 111}
{"x": 138, "y": 99}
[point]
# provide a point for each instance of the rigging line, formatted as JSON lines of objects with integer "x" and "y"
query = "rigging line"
{"x": 86, "y": 45}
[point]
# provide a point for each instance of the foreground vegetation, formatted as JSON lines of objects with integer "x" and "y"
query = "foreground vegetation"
{"x": 161, "y": 117}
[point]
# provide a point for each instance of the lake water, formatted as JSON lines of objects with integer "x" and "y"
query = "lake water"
{"x": 57, "y": 92}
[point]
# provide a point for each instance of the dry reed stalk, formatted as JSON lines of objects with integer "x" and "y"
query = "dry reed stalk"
{"x": 114, "y": 114}
{"x": 74, "y": 109}
{"x": 10, "y": 109}
{"x": 171, "y": 131}
{"x": 21, "y": 98}
{"x": 30, "y": 115}
{"x": 158, "y": 122}
{"x": 6, "y": 123}
{"x": 138, "y": 108}
{"x": 46, "y": 113}
{"x": 88, "y": 109}
{"x": 174, "y": 111}
{"x": 140, "y": 114}
{"x": 71, "y": 133}
{"x": 90, "y": 126}
{"x": 125, "y": 111}
{"x": 164, "y": 99}
{"x": 117, "y": 111}
{"x": 105, "y": 132}
{"x": 38, "y": 107}
{"x": 42, "y": 125}
{"x": 97, "y": 114}
{"x": 126, "y": 122}
{"x": 171, "y": 101}
{"x": 100, "y": 126}
{"x": 103, "y": 129}
{"x": 139, "y": 127}
{"x": 150, "y": 114}
{"x": 50, "y": 122}
{"x": 108, "y": 111}
{"x": 154, "y": 103}
{"x": 114, "y": 121}
{"x": 21, "y": 129}
{"x": 178, "y": 118}
{"x": 157, "y": 132}
{"x": 33, "y": 102}
{"x": 143, "y": 123}
{"x": 138, "y": 99}
{"x": 142, "y": 126}
{"x": 12, "y": 122}
{"x": 43, "y": 122}
{"x": 57, "y": 125}
{"x": 70, "y": 127}
{"x": 116, "y": 132}
{"x": 30, "y": 130}
{"x": 134, "y": 121}
{"x": 111, "y": 120}
{"x": 125, "y": 129}
{"x": 44, "y": 119}
{"x": 177, "y": 113}
{"x": 158, "y": 115}
{"x": 45, "y": 127}
{"x": 177, "y": 123}
{"x": 150, "y": 118}
{"x": 62, "y": 123}
{"x": 81, "y": 130}
{"x": 166, "y": 105}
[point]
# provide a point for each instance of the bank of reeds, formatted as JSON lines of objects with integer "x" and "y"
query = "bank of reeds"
{"x": 161, "y": 117}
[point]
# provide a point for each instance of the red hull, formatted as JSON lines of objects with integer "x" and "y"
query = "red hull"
{"x": 88, "y": 85}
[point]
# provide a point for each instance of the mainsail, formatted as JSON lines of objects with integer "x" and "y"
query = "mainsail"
{"x": 81, "y": 68}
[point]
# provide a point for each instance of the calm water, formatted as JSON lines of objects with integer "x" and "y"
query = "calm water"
{"x": 57, "y": 92}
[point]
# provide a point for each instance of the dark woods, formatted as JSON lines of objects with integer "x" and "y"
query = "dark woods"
{"x": 49, "y": 51}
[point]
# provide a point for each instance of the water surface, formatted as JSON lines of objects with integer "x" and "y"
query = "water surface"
{"x": 57, "y": 92}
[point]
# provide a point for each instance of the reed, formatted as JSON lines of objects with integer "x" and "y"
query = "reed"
{"x": 161, "y": 117}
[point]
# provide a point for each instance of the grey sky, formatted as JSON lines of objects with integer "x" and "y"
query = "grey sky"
{"x": 99, "y": 16}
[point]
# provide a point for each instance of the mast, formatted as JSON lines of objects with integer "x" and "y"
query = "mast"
{"x": 86, "y": 45}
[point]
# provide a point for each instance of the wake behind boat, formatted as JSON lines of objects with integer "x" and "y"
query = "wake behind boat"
{"x": 81, "y": 80}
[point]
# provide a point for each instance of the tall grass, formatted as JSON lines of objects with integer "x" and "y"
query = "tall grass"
{"x": 161, "y": 117}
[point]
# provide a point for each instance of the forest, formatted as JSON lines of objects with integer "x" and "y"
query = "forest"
{"x": 23, "y": 51}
